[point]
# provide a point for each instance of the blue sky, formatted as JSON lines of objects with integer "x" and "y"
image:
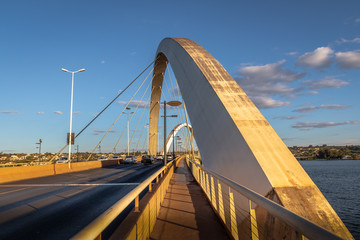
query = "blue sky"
{"x": 298, "y": 61}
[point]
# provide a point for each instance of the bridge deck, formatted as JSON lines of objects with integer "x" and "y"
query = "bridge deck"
{"x": 185, "y": 212}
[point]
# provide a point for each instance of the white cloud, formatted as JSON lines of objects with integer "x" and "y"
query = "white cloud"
{"x": 9, "y": 112}
{"x": 97, "y": 131}
{"x": 312, "y": 92}
{"x": 58, "y": 112}
{"x": 292, "y": 53}
{"x": 313, "y": 108}
{"x": 77, "y": 112}
{"x": 355, "y": 40}
{"x": 348, "y": 60}
{"x": 325, "y": 83}
{"x": 268, "y": 80}
{"x": 262, "y": 82}
{"x": 306, "y": 126}
{"x": 357, "y": 20}
{"x": 289, "y": 117}
{"x": 102, "y": 61}
{"x": 319, "y": 58}
{"x": 140, "y": 104}
{"x": 135, "y": 103}
{"x": 267, "y": 102}
{"x": 272, "y": 72}
{"x": 133, "y": 53}
{"x": 40, "y": 113}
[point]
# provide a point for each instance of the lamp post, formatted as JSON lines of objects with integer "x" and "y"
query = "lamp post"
{"x": 173, "y": 104}
{"x": 177, "y": 139}
{"x": 71, "y": 107}
{"x": 128, "y": 127}
{"x": 40, "y": 141}
{"x": 147, "y": 139}
{"x": 173, "y": 144}
{"x": 179, "y": 146}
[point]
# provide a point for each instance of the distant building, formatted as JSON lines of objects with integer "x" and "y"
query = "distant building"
{"x": 14, "y": 158}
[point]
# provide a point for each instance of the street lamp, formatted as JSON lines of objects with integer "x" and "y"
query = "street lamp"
{"x": 147, "y": 140}
{"x": 177, "y": 139}
{"x": 179, "y": 146}
{"x": 173, "y": 104}
{"x": 128, "y": 125}
{"x": 40, "y": 141}
{"x": 71, "y": 106}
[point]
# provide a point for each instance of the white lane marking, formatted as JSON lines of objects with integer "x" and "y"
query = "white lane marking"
{"x": 70, "y": 184}
{"x": 11, "y": 191}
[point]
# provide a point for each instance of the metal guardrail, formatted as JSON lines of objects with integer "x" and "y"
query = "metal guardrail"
{"x": 96, "y": 227}
{"x": 230, "y": 211}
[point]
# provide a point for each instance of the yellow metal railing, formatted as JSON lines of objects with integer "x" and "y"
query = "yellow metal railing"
{"x": 248, "y": 215}
{"x": 96, "y": 227}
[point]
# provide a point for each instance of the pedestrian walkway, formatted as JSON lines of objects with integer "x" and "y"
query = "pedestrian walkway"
{"x": 185, "y": 212}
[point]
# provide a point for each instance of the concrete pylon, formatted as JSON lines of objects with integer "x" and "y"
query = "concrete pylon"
{"x": 233, "y": 137}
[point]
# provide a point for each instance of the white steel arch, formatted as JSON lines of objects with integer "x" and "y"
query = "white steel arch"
{"x": 170, "y": 137}
{"x": 233, "y": 137}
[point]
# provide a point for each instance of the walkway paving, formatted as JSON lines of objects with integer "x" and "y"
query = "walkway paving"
{"x": 185, "y": 212}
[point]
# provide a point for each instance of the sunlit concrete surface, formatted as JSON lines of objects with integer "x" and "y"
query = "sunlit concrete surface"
{"x": 185, "y": 212}
{"x": 234, "y": 138}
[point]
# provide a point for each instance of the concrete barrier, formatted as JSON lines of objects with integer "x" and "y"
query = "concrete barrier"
{"x": 10, "y": 174}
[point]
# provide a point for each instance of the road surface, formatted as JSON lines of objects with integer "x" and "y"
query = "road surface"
{"x": 57, "y": 207}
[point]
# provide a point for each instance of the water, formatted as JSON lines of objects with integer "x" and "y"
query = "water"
{"x": 339, "y": 181}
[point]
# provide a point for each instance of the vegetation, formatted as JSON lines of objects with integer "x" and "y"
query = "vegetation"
{"x": 301, "y": 153}
{"x": 326, "y": 152}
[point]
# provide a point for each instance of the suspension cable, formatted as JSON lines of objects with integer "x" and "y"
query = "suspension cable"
{"x": 177, "y": 107}
{"x": 53, "y": 158}
{"x": 115, "y": 99}
{"x": 119, "y": 115}
{"x": 190, "y": 135}
{"x": 142, "y": 130}
{"x": 138, "y": 107}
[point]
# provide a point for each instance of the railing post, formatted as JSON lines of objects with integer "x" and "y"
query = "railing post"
{"x": 221, "y": 204}
{"x": 136, "y": 204}
{"x": 150, "y": 187}
{"x": 233, "y": 223}
{"x": 254, "y": 228}
{"x": 213, "y": 194}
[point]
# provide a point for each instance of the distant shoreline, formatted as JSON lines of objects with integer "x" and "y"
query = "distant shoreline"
{"x": 306, "y": 160}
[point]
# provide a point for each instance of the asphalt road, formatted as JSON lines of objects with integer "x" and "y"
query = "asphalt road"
{"x": 57, "y": 207}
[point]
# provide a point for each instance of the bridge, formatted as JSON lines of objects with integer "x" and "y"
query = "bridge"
{"x": 252, "y": 185}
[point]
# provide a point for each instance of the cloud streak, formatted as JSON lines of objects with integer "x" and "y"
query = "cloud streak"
{"x": 267, "y": 102}
{"x": 319, "y": 58}
{"x": 40, "y": 113}
{"x": 355, "y": 40}
{"x": 58, "y": 112}
{"x": 289, "y": 117}
{"x": 9, "y": 112}
{"x": 306, "y": 126}
{"x": 325, "y": 83}
{"x": 103, "y": 131}
{"x": 314, "y": 108}
{"x": 135, "y": 103}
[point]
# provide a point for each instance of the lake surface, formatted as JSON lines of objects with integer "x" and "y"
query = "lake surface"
{"x": 339, "y": 181}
